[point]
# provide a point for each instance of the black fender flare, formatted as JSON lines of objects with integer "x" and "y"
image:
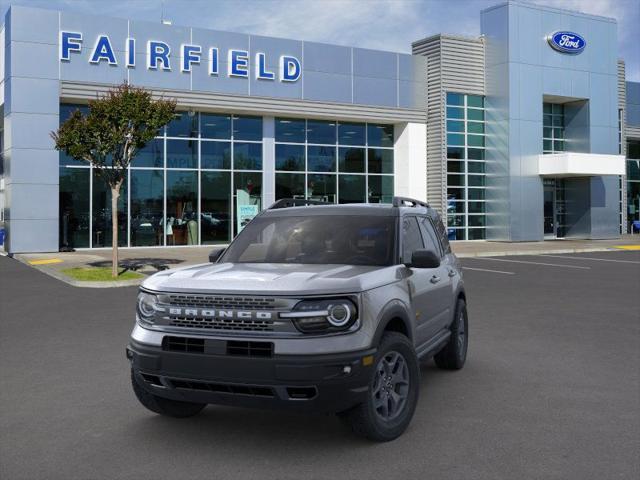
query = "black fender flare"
{"x": 393, "y": 309}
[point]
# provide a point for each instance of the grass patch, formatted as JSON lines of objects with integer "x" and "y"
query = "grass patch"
{"x": 99, "y": 274}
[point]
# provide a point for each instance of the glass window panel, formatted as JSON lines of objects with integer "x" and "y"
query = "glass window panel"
{"x": 215, "y": 155}
{"x": 351, "y": 133}
{"x": 455, "y": 193}
{"x": 67, "y": 160}
{"x": 476, "y": 180}
{"x": 475, "y": 101}
{"x": 477, "y": 115}
{"x": 289, "y": 185}
{"x": 476, "y": 167}
{"x": 476, "y": 193}
{"x": 320, "y": 131}
{"x": 380, "y": 161}
{"x": 455, "y": 126}
{"x": 321, "y": 159}
{"x": 184, "y": 124}
{"x": 182, "y": 208}
{"x": 558, "y": 133}
{"x": 456, "y": 234}
{"x": 351, "y": 160}
{"x": 455, "y": 139}
{"x": 476, "y": 234}
{"x": 633, "y": 149}
{"x": 558, "y": 121}
{"x": 455, "y": 113}
{"x": 215, "y": 207}
{"x": 215, "y": 126}
{"x": 455, "y": 152}
{"x": 476, "y": 207}
{"x": 321, "y": 187}
{"x": 290, "y": 130}
{"x": 557, "y": 108}
{"x": 290, "y": 157}
{"x": 147, "y": 193}
{"x": 475, "y": 153}
{"x": 247, "y": 156}
{"x": 380, "y": 188}
{"x": 547, "y": 120}
{"x": 455, "y": 221}
{"x": 152, "y": 155}
{"x": 454, "y": 208}
{"x": 558, "y": 145}
{"x": 74, "y": 207}
{"x": 101, "y": 215}
{"x": 546, "y": 108}
{"x": 247, "y": 128}
{"x": 455, "y": 167}
{"x": 66, "y": 109}
{"x": 351, "y": 188}
{"x": 476, "y": 220}
{"x": 547, "y": 132}
{"x": 380, "y": 135}
{"x": 455, "y": 180}
{"x": 475, "y": 140}
{"x": 182, "y": 153}
{"x": 475, "y": 127}
{"x": 633, "y": 170}
{"x": 455, "y": 98}
{"x": 547, "y": 145}
{"x": 247, "y": 190}
{"x": 411, "y": 238}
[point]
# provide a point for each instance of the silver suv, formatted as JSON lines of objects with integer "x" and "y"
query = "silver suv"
{"x": 313, "y": 307}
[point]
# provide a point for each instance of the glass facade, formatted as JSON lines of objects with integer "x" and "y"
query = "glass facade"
{"x": 465, "y": 130}
{"x": 340, "y": 162}
{"x": 633, "y": 184}
{"x": 183, "y": 188}
{"x": 552, "y": 128}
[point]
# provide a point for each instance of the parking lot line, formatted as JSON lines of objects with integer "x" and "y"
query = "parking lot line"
{"x": 591, "y": 258}
{"x": 532, "y": 263}
{"x": 486, "y": 270}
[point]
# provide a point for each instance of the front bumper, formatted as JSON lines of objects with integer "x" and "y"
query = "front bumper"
{"x": 311, "y": 383}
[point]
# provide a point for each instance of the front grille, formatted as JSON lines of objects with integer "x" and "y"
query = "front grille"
{"x": 183, "y": 344}
{"x": 234, "y": 324}
{"x": 222, "y": 302}
{"x": 253, "y": 390}
{"x": 250, "y": 349}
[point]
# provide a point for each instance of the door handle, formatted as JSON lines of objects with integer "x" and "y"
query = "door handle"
{"x": 435, "y": 279}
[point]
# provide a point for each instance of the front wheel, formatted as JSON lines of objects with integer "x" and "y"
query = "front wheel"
{"x": 393, "y": 392}
{"x": 454, "y": 353}
{"x": 164, "y": 406}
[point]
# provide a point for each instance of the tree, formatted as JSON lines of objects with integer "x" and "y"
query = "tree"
{"x": 117, "y": 126}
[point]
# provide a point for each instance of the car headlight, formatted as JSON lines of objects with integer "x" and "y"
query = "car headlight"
{"x": 320, "y": 316}
{"x": 146, "y": 307}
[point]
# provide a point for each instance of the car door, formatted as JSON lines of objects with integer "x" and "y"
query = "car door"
{"x": 422, "y": 283}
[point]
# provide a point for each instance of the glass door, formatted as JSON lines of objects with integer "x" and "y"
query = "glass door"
{"x": 555, "y": 208}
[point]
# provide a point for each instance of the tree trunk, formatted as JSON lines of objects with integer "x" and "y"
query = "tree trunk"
{"x": 115, "y": 193}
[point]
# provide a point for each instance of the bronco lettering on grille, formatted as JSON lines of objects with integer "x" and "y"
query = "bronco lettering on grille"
{"x": 211, "y": 313}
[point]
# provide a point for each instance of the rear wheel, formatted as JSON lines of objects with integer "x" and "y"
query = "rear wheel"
{"x": 454, "y": 353}
{"x": 164, "y": 406}
{"x": 393, "y": 392}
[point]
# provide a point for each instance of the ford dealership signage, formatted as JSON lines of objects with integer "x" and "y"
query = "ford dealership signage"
{"x": 160, "y": 56}
{"x": 567, "y": 42}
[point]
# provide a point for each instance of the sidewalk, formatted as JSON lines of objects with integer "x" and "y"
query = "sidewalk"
{"x": 149, "y": 258}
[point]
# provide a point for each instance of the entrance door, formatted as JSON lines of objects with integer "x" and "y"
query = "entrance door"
{"x": 555, "y": 208}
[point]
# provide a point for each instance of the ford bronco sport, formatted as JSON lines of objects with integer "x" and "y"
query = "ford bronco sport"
{"x": 324, "y": 308}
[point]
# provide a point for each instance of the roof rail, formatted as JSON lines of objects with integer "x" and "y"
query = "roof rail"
{"x": 296, "y": 202}
{"x": 403, "y": 201}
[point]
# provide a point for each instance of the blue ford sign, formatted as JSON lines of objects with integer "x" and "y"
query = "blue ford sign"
{"x": 567, "y": 42}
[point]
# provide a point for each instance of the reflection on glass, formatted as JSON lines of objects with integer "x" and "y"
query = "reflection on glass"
{"x": 380, "y": 161}
{"x": 290, "y": 157}
{"x": 151, "y": 155}
{"x": 319, "y": 131}
{"x": 247, "y": 128}
{"x": 380, "y": 189}
{"x": 247, "y": 190}
{"x": 182, "y": 153}
{"x": 247, "y": 156}
{"x": 147, "y": 188}
{"x": 215, "y": 126}
{"x": 66, "y": 109}
{"x": 182, "y": 208}
{"x": 351, "y": 160}
{"x": 74, "y": 207}
{"x": 321, "y": 187}
{"x": 321, "y": 159}
{"x": 351, "y": 133}
{"x": 455, "y": 98}
{"x": 215, "y": 155}
{"x": 184, "y": 124}
{"x": 215, "y": 207}
{"x": 351, "y": 188}
{"x": 379, "y": 135}
{"x": 289, "y": 185}
{"x": 290, "y": 130}
{"x": 101, "y": 216}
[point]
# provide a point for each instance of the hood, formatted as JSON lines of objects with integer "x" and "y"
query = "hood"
{"x": 272, "y": 279}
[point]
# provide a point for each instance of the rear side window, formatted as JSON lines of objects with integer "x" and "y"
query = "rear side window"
{"x": 411, "y": 238}
{"x": 430, "y": 237}
{"x": 441, "y": 231}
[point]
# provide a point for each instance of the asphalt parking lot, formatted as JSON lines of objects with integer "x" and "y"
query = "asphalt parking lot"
{"x": 551, "y": 389}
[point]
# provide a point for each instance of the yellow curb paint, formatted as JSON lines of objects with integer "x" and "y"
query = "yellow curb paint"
{"x": 628, "y": 247}
{"x": 47, "y": 261}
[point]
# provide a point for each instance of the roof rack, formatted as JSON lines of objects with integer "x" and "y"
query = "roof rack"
{"x": 403, "y": 201}
{"x": 296, "y": 202}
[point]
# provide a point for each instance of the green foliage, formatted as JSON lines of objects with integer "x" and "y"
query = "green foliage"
{"x": 99, "y": 274}
{"x": 117, "y": 126}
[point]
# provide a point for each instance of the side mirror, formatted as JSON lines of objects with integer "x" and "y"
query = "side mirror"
{"x": 215, "y": 254}
{"x": 424, "y": 259}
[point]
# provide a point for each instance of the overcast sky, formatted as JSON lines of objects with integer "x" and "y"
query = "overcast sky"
{"x": 379, "y": 24}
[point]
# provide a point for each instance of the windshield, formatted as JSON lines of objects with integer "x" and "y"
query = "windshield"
{"x": 315, "y": 239}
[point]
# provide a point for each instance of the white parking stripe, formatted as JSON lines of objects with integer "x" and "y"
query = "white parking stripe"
{"x": 531, "y": 263}
{"x": 591, "y": 258}
{"x": 485, "y": 270}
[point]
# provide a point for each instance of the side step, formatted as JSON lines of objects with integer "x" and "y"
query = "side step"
{"x": 432, "y": 347}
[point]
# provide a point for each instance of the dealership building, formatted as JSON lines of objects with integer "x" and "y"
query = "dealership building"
{"x": 525, "y": 133}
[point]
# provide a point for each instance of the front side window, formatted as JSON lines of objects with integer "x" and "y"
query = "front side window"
{"x": 411, "y": 238}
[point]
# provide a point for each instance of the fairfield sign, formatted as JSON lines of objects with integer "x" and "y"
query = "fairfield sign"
{"x": 159, "y": 56}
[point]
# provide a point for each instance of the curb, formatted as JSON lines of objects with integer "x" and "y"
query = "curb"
{"x": 537, "y": 252}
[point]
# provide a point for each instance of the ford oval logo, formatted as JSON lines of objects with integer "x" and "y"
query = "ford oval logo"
{"x": 567, "y": 42}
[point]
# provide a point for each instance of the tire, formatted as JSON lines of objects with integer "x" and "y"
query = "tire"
{"x": 164, "y": 406}
{"x": 454, "y": 353}
{"x": 368, "y": 419}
